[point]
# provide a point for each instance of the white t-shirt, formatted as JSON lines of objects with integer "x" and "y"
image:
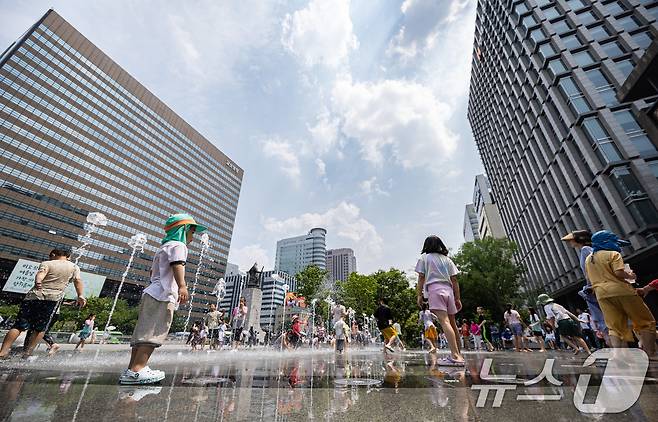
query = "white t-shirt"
{"x": 163, "y": 287}
{"x": 553, "y": 310}
{"x": 340, "y": 327}
{"x": 397, "y": 328}
{"x": 512, "y": 317}
{"x": 436, "y": 267}
{"x": 426, "y": 317}
{"x": 584, "y": 317}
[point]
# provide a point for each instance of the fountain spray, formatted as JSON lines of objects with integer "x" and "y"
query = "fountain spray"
{"x": 94, "y": 220}
{"x": 136, "y": 242}
{"x": 205, "y": 243}
{"x": 219, "y": 290}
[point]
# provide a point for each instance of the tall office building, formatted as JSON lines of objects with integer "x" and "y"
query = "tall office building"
{"x": 340, "y": 263}
{"x": 296, "y": 253}
{"x": 471, "y": 228}
{"x": 562, "y": 153}
{"x": 78, "y": 134}
{"x": 273, "y": 294}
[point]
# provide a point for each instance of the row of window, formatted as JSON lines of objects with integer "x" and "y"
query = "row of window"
{"x": 109, "y": 84}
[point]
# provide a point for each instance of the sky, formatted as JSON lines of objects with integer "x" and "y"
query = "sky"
{"x": 344, "y": 114}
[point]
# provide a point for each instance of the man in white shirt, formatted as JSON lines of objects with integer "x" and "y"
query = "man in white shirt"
{"x": 585, "y": 321}
{"x": 341, "y": 331}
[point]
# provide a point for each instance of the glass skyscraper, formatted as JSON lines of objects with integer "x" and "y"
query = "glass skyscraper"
{"x": 296, "y": 253}
{"x": 560, "y": 150}
{"x": 78, "y": 135}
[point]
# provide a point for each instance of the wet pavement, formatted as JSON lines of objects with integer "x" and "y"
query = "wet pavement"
{"x": 266, "y": 385}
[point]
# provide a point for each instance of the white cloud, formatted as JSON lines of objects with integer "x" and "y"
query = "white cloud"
{"x": 324, "y": 134}
{"x": 285, "y": 157}
{"x": 321, "y": 33}
{"x": 343, "y": 222}
{"x": 399, "y": 118}
{"x": 321, "y": 167}
{"x": 422, "y": 23}
{"x": 370, "y": 188}
{"x": 246, "y": 256}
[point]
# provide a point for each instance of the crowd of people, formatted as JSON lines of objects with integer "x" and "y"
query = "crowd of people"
{"x": 616, "y": 314}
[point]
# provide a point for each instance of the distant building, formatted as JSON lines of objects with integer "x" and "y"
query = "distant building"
{"x": 340, "y": 263}
{"x": 489, "y": 222}
{"x": 471, "y": 230}
{"x": 232, "y": 269}
{"x": 273, "y": 294}
{"x": 296, "y": 253}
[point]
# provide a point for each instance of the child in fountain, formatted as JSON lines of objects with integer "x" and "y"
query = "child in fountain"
{"x": 87, "y": 329}
{"x": 341, "y": 330}
{"x": 160, "y": 298}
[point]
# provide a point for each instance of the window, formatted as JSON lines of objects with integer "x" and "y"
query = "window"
{"x": 561, "y": 26}
{"x": 653, "y": 166}
{"x": 635, "y": 133}
{"x": 603, "y": 86}
{"x": 654, "y": 12}
{"x": 571, "y": 41}
{"x": 625, "y": 67}
{"x": 520, "y": 8}
{"x": 613, "y": 49}
{"x": 556, "y": 66}
{"x": 587, "y": 17}
{"x": 642, "y": 39}
{"x": 547, "y": 50}
{"x": 529, "y": 21}
{"x": 537, "y": 35}
{"x": 541, "y": 3}
{"x": 576, "y": 4}
{"x": 583, "y": 58}
{"x": 629, "y": 22}
{"x": 601, "y": 142}
{"x": 599, "y": 32}
{"x": 635, "y": 198}
{"x": 573, "y": 96}
{"x": 552, "y": 13}
{"x": 615, "y": 7}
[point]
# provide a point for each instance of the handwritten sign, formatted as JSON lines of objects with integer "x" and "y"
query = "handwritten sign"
{"x": 21, "y": 280}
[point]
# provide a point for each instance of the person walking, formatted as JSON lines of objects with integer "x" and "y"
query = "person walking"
{"x": 482, "y": 322}
{"x": 430, "y": 334}
{"x": 535, "y": 328}
{"x": 384, "y": 318}
{"x": 437, "y": 279}
{"x": 160, "y": 298}
{"x": 465, "y": 331}
{"x": 585, "y": 321}
{"x": 515, "y": 324}
{"x": 617, "y": 296}
{"x": 239, "y": 321}
{"x": 87, "y": 329}
{"x": 212, "y": 321}
{"x": 581, "y": 240}
{"x": 558, "y": 316}
{"x": 398, "y": 337}
{"x": 341, "y": 330}
{"x": 40, "y": 303}
{"x": 477, "y": 335}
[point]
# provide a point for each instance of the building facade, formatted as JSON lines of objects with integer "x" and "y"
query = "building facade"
{"x": 296, "y": 253}
{"x": 272, "y": 285}
{"x": 78, "y": 134}
{"x": 340, "y": 263}
{"x": 489, "y": 221}
{"x": 561, "y": 152}
{"x": 471, "y": 230}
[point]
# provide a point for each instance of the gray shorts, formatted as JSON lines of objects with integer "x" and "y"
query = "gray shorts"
{"x": 153, "y": 322}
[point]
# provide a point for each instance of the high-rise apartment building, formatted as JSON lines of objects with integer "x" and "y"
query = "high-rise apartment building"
{"x": 489, "y": 222}
{"x": 78, "y": 134}
{"x": 561, "y": 152}
{"x": 471, "y": 230}
{"x": 296, "y": 253}
{"x": 340, "y": 263}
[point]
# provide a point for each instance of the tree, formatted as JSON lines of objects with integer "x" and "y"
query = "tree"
{"x": 124, "y": 317}
{"x": 310, "y": 281}
{"x": 358, "y": 292}
{"x": 489, "y": 277}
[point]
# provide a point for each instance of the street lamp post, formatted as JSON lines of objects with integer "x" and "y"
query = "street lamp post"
{"x": 275, "y": 278}
{"x": 312, "y": 322}
{"x": 283, "y": 315}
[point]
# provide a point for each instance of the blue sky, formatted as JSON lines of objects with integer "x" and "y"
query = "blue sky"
{"x": 350, "y": 115}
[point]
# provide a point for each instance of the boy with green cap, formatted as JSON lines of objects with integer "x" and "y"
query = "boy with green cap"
{"x": 160, "y": 299}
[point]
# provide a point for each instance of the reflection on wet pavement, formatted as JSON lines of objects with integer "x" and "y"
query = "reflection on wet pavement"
{"x": 272, "y": 386}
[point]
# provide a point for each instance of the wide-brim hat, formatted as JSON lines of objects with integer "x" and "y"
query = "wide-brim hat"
{"x": 568, "y": 236}
{"x": 543, "y": 299}
{"x": 183, "y": 219}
